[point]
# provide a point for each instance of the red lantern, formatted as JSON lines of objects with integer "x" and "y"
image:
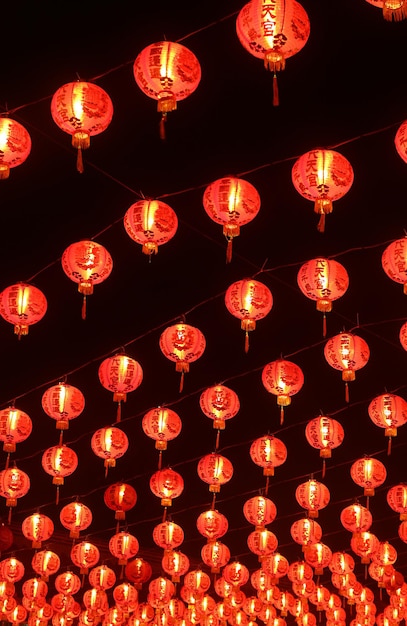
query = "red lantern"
{"x": 273, "y": 31}
{"x": 166, "y": 484}
{"x": 67, "y": 583}
{"x": 323, "y": 280}
{"x": 268, "y": 452}
{"x": 15, "y": 427}
{"x": 232, "y": 202}
{"x": 75, "y": 517}
{"x": 403, "y": 336}
{"x": 248, "y": 300}
{"x": 341, "y": 563}
{"x": 87, "y": 263}
{"x": 120, "y": 497}
{"x": 14, "y": 484}
{"x": 126, "y": 597}
{"x": 109, "y": 443}
{"x": 168, "y": 535}
{"x": 397, "y": 500}
{"x": 18, "y": 615}
{"x": 138, "y": 571}
{"x": 45, "y": 563}
{"x": 348, "y": 353}
{"x": 259, "y": 511}
{"x": 59, "y": 462}
{"x": 368, "y": 473}
{"x": 392, "y": 10}
{"x": 123, "y": 546}
{"x": 162, "y": 425}
{"x": 63, "y": 403}
{"x": 175, "y": 563}
{"x": 215, "y": 555}
{"x": 318, "y": 555}
{"x": 11, "y": 570}
{"x": 212, "y": 525}
{"x": 96, "y": 601}
{"x": 394, "y": 261}
{"x": 120, "y": 374}
{"x": 356, "y": 518}
{"x": 320, "y": 598}
{"x": 150, "y": 223}
{"x": 161, "y": 590}
{"x": 262, "y": 542}
{"x": 364, "y": 545}
{"x": 85, "y": 555}
{"x": 283, "y": 379}
{"x": 386, "y": 554}
{"x": 197, "y": 581}
{"x": 182, "y": 344}
{"x": 34, "y": 589}
{"x": 299, "y": 571}
{"x": 324, "y": 434}
{"x": 167, "y": 72}
{"x": 276, "y": 565}
{"x": 312, "y": 496}
{"x": 15, "y": 145}
{"x": 305, "y": 531}
{"x": 388, "y": 411}
{"x": 215, "y": 470}
{"x": 22, "y": 305}
{"x": 82, "y": 110}
{"x": 236, "y": 574}
{"x": 102, "y": 577}
{"x": 37, "y": 528}
{"x": 219, "y": 403}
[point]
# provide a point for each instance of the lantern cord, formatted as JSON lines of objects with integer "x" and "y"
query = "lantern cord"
{"x": 321, "y": 223}
{"x": 119, "y": 412}
{"x": 246, "y": 342}
{"x": 276, "y": 100}
{"x": 60, "y": 437}
{"x": 83, "y": 312}
{"x": 266, "y": 489}
{"x": 229, "y": 250}
{"x": 79, "y": 161}
{"x": 162, "y": 126}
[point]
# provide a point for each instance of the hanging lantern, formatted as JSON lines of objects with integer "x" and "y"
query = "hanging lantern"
{"x": 215, "y": 470}
{"x": 386, "y": 554}
{"x": 15, "y": 427}
{"x": 364, "y": 545}
{"x": 96, "y": 601}
{"x": 283, "y": 379}
{"x": 263, "y": 543}
{"x": 161, "y": 590}
{"x": 168, "y": 535}
{"x": 248, "y": 300}
{"x": 232, "y": 202}
{"x": 259, "y": 511}
{"x": 22, "y": 304}
{"x": 126, "y": 597}
{"x": 392, "y": 10}
{"x": 14, "y": 484}
{"x": 394, "y": 261}
{"x": 87, "y": 263}
{"x": 67, "y": 583}
{"x": 45, "y": 563}
{"x": 306, "y": 531}
{"x": 212, "y": 525}
{"x": 320, "y": 597}
{"x": 299, "y": 571}
{"x": 388, "y": 411}
{"x": 273, "y": 31}
{"x": 318, "y": 555}
{"x": 75, "y": 517}
{"x": 322, "y": 176}
{"x": 166, "y": 484}
{"x": 182, "y": 344}
{"x": 15, "y": 145}
{"x": 59, "y": 462}
{"x": 236, "y": 574}
{"x": 120, "y": 374}
{"x": 37, "y": 528}
{"x": 356, "y": 518}
{"x": 348, "y": 353}
{"x": 403, "y": 336}
{"x": 63, "y": 403}
{"x": 341, "y": 563}
{"x": 120, "y": 497}
{"x": 276, "y": 565}
{"x": 323, "y": 280}
{"x": 109, "y": 443}
{"x": 85, "y": 555}
{"x": 150, "y": 223}
{"x": 82, "y": 110}
{"x": 138, "y": 571}
{"x": 34, "y": 589}
{"x": 175, "y": 563}
{"x": 215, "y": 555}
{"x": 397, "y": 500}
{"x": 197, "y": 581}
{"x": 11, "y": 569}
{"x": 18, "y": 615}
{"x": 368, "y": 473}
{"x": 123, "y": 546}
{"x": 162, "y": 425}
{"x": 102, "y": 577}
{"x": 219, "y": 403}
{"x": 268, "y": 452}
{"x": 312, "y": 496}
{"x": 324, "y": 434}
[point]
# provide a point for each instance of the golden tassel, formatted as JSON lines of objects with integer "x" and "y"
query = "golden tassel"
{"x": 83, "y": 312}
{"x": 160, "y": 459}
{"x": 9, "y": 515}
{"x": 276, "y": 100}
{"x": 217, "y": 440}
{"x": 79, "y": 160}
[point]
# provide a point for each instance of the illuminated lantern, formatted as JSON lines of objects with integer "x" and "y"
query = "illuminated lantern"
{"x": 166, "y": 484}
{"x": 22, "y": 305}
{"x": 59, "y": 462}
{"x": 385, "y": 554}
{"x": 259, "y": 511}
{"x": 37, "y": 528}
{"x": 18, "y": 615}
{"x": 232, "y": 202}
{"x": 102, "y": 577}
{"x": 268, "y": 452}
{"x": 144, "y": 612}
{"x": 175, "y": 563}
{"x": 175, "y": 609}
{"x": 394, "y": 261}
{"x": 150, "y": 223}
{"x": 368, "y": 473}
{"x": 123, "y": 546}
{"x": 402, "y": 531}
{"x": 324, "y": 434}
{"x": 34, "y": 589}
{"x": 109, "y": 443}
{"x": 219, "y": 403}
{"x": 82, "y": 110}
{"x": 120, "y": 374}
{"x": 262, "y": 542}
{"x": 215, "y": 470}
{"x": 283, "y": 379}
{"x": 168, "y": 535}
{"x": 87, "y": 263}
{"x": 356, "y": 518}
{"x": 364, "y": 545}
{"x": 63, "y": 403}
{"x": 305, "y": 531}
{"x": 397, "y": 500}
{"x": 388, "y": 411}
{"x": 96, "y": 601}
{"x": 14, "y": 484}
{"x": 197, "y": 581}
{"x": 182, "y": 344}
{"x": 299, "y": 571}
{"x": 260, "y": 580}
{"x": 322, "y": 176}
{"x": 161, "y": 590}
{"x": 248, "y": 300}
{"x": 45, "y": 563}
{"x": 236, "y": 573}
{"x": 312, "y": 496}
{"x": 341, "y": 563}
{"x": 285, "y": 603}
{"x": 138, "y": 571}
{"x": 15, "y": 145}
{"x": 273, "y": 31}
{"x": 162, "y": 425}
{"x": 167, "y": 72}
{"x": 85, "y": 555}
{"x": 320, "y": 597}
{"x": 15, "y": 426}
{"x": 323, "y": 280}
{"x": 120, "y": 497}
{"x": 392, "y": 10}
{"x": 318, "y": 555}
{"x": 215, "y": 555}
{"x": 75, "y": 517}
{"x": 126, "y": 597}
{"x": 400, "y": 139}
{"x": 276, "y": 565}
{"x": 403, "y": 336}
{"x": 348, "y": 353}
{"x": 212, "y": 525}
{"x": 67, "y": 583}
{"x": 11, "y": 570}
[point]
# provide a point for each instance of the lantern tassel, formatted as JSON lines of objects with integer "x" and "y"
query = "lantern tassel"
{"x": 162, "y": 126}
{"x": 324, "y": 325}
{"x": 83, "y": 312}
{"x": 7, "y": 460}
{"x": 79, "y": 161}
{"x": 346, "y": 392}
{"x": 9, "y": 515}
{"x": 281, "y": 415}
{"x": 276, "y": 99}
{"x": 229, "y": 250}
{"x": 57, "y": 496}
{"x": 121, "y": 576}
{"x": 119, "y": 412}
{"x": 181, "y": 382}
{"x": 323, "y": 468}
{"x": 389, "y": 447}
{"x": 321, "y": 223}
{"x": 246, "y": 342}
{"x": 160, "y": 459}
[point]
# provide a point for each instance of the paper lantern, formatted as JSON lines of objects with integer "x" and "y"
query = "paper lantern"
{"x": 85, "y": 555}
{"x": 215, "y": 555}
{"x": 120, "y": 374}
{"x": 59, "y": 462}
{"x": 397, "y": 500}
{"x": 120, "y": 497}
{"x": 368, "y": 473}
{"x": 123, "y": 546}
{"x": 386, "y": 554}
{"x": 161, "y": 590}
{"x": 82, "y": 110}
{"x": 235, "y": 573}
{"x": 138, "y": 571}
{"x": 323, "y": 280}
{"x": 11, "y": 569}
{"x": 183, "y": 344}
{"x": 162, "y": 425}
{"x": 268, "y": 452}
{"x": 312, "y": 496}
{"x": 197, "y": 581}
{"x": 388, "y": 411}
{"x": 356, "y": 518}
{"x": 273, "y": 31}
{"x": 299, "y": 571}
{"x": 45, "y": 563}
{"x": 259, "y": 511}
{"x": 34, "y": 588}
{"x": 276, "y": 565}
{"x": 232, "y": 202}
{"x": 22, "y": 305}
{"x": 403, "y": 336}
{"x": 215, "y": 470}
{"x": 166, "y": 484}
{"x": 67, "y": 583}
{"x": 324, "y": 434}
{"x": 102, "y": 577}
{"x": 305, "y": 531}
{"x": 87, "y": 263}
{"x": 14, "y": 484}
{"x": 15, "y": 145}
{"x": 151, "y": 223}
{"x": 167, "y": 72}
{"x": 126, "y": 597}
{"x": 75, "y": 516}
{"x": 96, "y": 601}
{"x": 37, "y": 528}
{"x": 168, "y": 535}
{"x": 63, "y": 403}
{"x": 109, "y": 443}
{"x": 392, "y": 9}
{"x": 394, "y": 261}
{"x": 322, "y": 176}
{"x": 364, "y": 544}
{"x": 283, "y": 379}
{"x": 248, "y": 300}
{"x": 262, "y": 542}
{"x": 348, "y": 353}
{"x": 320, "y": 597}
{"x": 15, "y": 427}
{"x": 212, "y": 525}
{"x": 175, "y": 563}
{"x": 18, "y": 615}
{"x": 219, "y": 403}
{"x": 341, "y": 563}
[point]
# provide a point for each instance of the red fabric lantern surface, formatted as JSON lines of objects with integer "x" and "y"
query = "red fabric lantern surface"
{"x": 403, "y": 336}
{"x": 283, "y": 379}
{"x": 85, "y": 555}
{"x": 120, "y": 497}
{"x": 120, "y": 374}
{"x": 96, "y": 600}
{"x": 151, "y": 223}
{"x": 268, "y": 452}
{"x": 183, "y": 344}
{"x": 123, "y": 546}
{"x": 15, "y": 145}
{"x": 87, "y": 263}
{"x": 168, "y": 535}
{"x": 341, "y": 563}
{"x": 386, "y": 554}
{"x": 175, "y": 563}
{"x": 323, "y": 280}
{"x": 67, "y": 583}
{"x": 63, "y": 403}
{"x": 212, "y": 525}
{"x": 324, "y": 433}
{"x": 322, "y": 176}
{"x": 219, "y": 403}
{"x": 161, "y": 590}
{"x": 126, "y": 597}
{"x": 215, "y": 555}
{"x": 75, "y": 516}
{"x": 215, "y": 470}
{"x": 318, "y": 555}
{"x": 236, "y": 573}
{"x": 364, "y": 545}
{"x": 37, "y": 528}
{"x": 249, "y": 300}
{"x": 397, "y": 500}
{"x": 356, "y": 518}
{"x": 312, "y": 496}
{"x": 197, "y": 581}
{"x": 368, "y": 473}
{"x": 82, "y": 110}
{"x": 59, "y": 462}
{"x": 392, "y": 9}
{"x": 299, "y": 571}
{"x": 394, "y": 261}
{"x": 262, "y": 542}
{"x": 167, "y": 72}
{"x": 162, "y": 425}
{"x": 400, "y": 140}
{"x": 232, "y": 202}
{"x": 102, "y": 577}
{"x": 276, "y": 565}
{"x": 11, "y": 569}
{"x": 320, "y": 597}
{"x": 14, "y": 484}
{"x": 22, "y": 305}
{"x": 109, "y": 443}
{"x": 166, "y": 484}
{"x": 34, "y": 588}
{"x": 45, "y": 563}
{"x": 138, "y": 571}
{"x": 259, "y": 511}
{"x": 18, "y": 615}
{"x": 305, "y": 531}
{"x": 388, "y": 411}
{"x": 15, "y": 427}
{"x": 348, "y": 353}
